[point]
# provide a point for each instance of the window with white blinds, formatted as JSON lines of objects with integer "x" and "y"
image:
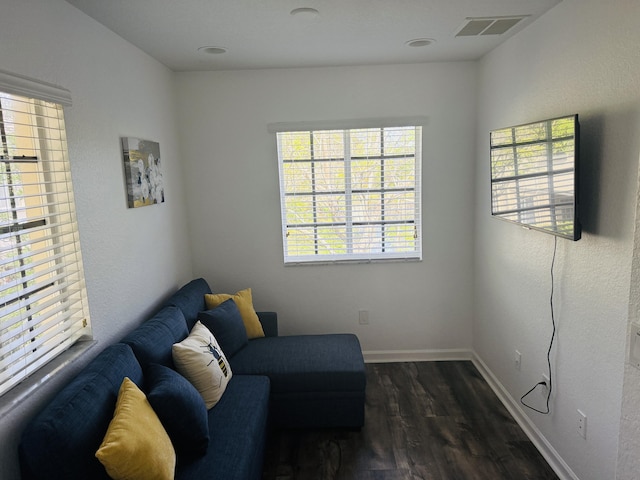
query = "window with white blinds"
{"x": 43, "y": 305}
{"x": 350, "y": 194}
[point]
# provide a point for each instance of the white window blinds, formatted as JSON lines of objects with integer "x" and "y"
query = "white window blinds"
{"x": 350, "y": 194}
{"x": 43, "y": 305}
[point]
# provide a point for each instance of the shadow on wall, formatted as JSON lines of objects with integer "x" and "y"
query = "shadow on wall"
{"x": 604, "y": 182}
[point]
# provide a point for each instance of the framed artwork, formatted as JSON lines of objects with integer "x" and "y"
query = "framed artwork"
{"x": 145, "y": 185}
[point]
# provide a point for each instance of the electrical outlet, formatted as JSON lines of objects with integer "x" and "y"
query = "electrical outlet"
{"x": 517, "y": 360}
{"x": 363, "y": 317}
{"x": 544, "y": 388}
{"x": 582, "y": 424}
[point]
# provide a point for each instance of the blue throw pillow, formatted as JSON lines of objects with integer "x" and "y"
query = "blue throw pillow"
{"x": 181, "y": 410}
{"x": 225, "y": 322}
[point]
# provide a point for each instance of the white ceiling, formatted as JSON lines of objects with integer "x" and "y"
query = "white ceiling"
{"x": 263, "y": 33}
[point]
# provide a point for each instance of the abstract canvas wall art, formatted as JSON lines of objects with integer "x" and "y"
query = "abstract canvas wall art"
{"x": 145, "y": 184}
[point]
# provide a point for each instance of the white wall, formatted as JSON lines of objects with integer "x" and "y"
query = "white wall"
{"x": 234, "y": 207}
{"x": 629, "y": 440}
{"x": 132, "y": 257}
{"x": 581, "y": 57}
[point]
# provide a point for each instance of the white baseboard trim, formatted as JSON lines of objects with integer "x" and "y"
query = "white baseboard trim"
{"x": 391, "y": 356}
{"x": 549, "y": 453}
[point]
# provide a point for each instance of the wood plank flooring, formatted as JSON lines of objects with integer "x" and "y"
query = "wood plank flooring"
{"x": 423, "y": 420}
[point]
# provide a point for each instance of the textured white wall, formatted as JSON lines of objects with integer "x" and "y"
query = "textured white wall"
{"x": 581, "y": 57}
{"x": 234, "y": 207}
{"x": 132, "y": 257}
{"x": 629, "y": 442}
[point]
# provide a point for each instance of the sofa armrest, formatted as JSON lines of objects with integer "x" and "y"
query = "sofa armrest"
{"x": 269, "y": 321}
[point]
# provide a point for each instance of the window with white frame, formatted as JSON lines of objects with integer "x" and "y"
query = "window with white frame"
{"x": 350, "y": 194}
{"x": 43, "y": 305}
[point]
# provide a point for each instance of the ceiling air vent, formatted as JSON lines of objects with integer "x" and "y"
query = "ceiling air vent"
{"x": 488, "y": 25}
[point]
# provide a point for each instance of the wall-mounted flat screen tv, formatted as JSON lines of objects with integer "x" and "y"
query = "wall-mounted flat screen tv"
{"x": 534, "y": 175}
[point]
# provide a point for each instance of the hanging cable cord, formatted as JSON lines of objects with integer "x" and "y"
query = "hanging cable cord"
{"x": 553, "y": 336}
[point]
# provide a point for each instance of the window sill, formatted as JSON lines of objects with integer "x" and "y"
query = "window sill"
{"x": 18, "y": 394}
{"x": 352, "y": 261}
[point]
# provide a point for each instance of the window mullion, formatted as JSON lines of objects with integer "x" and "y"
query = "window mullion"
{"x": 314, "y": 194}
{"x": 348, "y": 191}
{"x": 382, "y": 192}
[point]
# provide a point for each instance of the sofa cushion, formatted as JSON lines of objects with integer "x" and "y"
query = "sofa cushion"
{"x": 200, "y": 359}
{"x": 151, "y": 342}
{"x": 61, "y": 441}
{"x": 305, "y": 363}
{"x": 237, "y": 426}
{"x": 136, "y": 445}
{"x": 244, "y": 301}
{"x": 227, "y": 326}
{"x": 190, "y": 300}
{"x": 180, "y": 408}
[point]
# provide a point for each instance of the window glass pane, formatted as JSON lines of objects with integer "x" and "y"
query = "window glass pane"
{"x": 365, "y": 143}
{"x": 329, "y": 176}
{"x": 563, "y": 127}
{"x": 301, "y": 241}
{"x": 330, "y": 208}
{"x": 328, "y": 144}
{"x": 299, "y": 210}
{"x": 399, "y": 206}
{"x": 367, "y": 207}
{"x": 399, "y": 238}
{"x": 366, "y": 175}
{"x": 367, "y": 239}
{"x": 295, "y": 146}
{"x": 297, "y": 177}
{"x": 503, "y": 162}
{"x": 331, "y": 240}
{"x": 399, "y": 172}
{"x": 400, "y": 141}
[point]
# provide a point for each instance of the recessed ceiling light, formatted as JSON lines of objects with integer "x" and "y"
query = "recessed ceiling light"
{"x": 420, "y": 42}
{"x": 305, "y": 12}
{"x": 213, "y": 50}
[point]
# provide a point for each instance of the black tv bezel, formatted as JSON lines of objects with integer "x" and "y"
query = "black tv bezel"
{"x": 577, "y": 228}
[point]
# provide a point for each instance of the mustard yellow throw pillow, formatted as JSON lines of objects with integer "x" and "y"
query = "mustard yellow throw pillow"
{"x": 136, "y": 446}
{"x": 244, "y": 301}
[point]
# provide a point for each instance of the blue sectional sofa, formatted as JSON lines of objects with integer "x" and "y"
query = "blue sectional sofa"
{"x": 305, "y": 381}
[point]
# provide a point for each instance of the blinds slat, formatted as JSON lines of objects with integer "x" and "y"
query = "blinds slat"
{"x": 32, "y": 339}
{"x": 64, "y": 291}
{"x": 26, "y": 334}
{"x": 56, "y": 281}
{"x": 19, "y": 372}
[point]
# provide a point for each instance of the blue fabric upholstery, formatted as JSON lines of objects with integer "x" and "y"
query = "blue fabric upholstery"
{"x": 316, "y": 380}
{"x": 238, "y": 426}
{"x": 151, "y": 342}
{"x": 181, "y": 410}
{"x": 227, "y": 326}
{"x": 190, "y": 299}
{"x": 60, "y": 442}
{"x": 304, "y": 363}
{"x": 269, "y": 321}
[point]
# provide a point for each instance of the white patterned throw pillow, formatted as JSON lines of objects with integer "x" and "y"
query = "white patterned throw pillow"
{"x": 200, "y": 360}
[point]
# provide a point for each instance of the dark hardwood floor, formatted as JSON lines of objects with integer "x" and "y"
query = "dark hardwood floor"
{"x": 423, "y": 420}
